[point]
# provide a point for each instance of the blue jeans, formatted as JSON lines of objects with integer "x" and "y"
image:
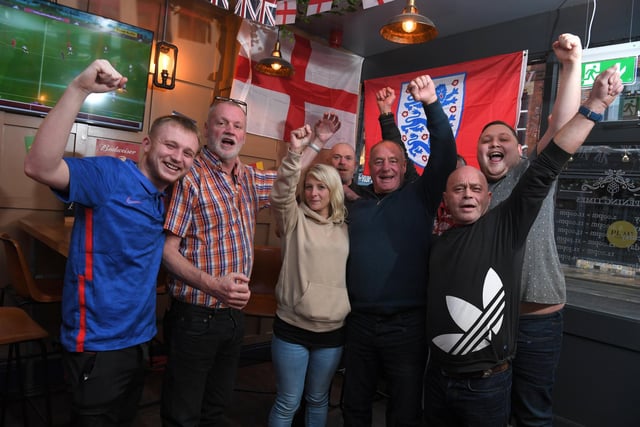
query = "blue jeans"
{"x": 468, "y": 402}
{"x": 394, "y": 346}
{"x": 534, "y": 368}
{"x": 204, "y": 348}
{"x": 300, "y": 369}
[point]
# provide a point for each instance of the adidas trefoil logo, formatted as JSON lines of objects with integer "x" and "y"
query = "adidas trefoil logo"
{"x": 478, "y": 324}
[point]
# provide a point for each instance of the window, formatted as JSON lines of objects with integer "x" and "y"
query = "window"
{"x": 598, "y": 198}
{"x": 598, "y": 214}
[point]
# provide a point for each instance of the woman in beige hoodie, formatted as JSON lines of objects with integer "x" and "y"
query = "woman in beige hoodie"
{"x": 311, "y": 292}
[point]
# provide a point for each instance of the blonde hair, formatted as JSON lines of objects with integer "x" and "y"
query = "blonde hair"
{"x": 329, "y": 176}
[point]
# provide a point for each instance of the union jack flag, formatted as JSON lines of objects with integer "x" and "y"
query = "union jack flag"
{"x": 262, "y": 11}
{"x": 224, "y": 4}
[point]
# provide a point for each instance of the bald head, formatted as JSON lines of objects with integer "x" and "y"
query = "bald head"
{"x": 343, "y": 158}
{"x": 467, "y": 195}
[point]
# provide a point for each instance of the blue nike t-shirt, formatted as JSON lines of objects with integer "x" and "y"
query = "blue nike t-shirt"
{"x": 109, "y": 297}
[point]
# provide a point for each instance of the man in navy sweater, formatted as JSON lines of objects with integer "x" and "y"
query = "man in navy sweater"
{"x": 387, "y": 275}
{"x": 474, "y": 281}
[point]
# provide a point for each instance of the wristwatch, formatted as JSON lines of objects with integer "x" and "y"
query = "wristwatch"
{"x": 591, "y": 115}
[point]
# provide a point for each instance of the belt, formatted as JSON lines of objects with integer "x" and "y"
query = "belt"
{"x": 486, "y": 373}
{"x": 181, "y": 306}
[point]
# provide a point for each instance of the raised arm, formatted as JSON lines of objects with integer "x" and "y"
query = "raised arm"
{"x": 44, "y": 162}
{"x": 568, "y": 50}
{"x": 442, "y": 160}
{"x": 324, "y": 129}
{"x": 522, "y": 206}
{"x": 606, "y": 88}
{"x": 385, "y": 99}
{"x": 283, "y": 200}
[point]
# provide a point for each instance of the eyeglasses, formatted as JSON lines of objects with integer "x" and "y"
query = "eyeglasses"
{"x": 239, "y": 103}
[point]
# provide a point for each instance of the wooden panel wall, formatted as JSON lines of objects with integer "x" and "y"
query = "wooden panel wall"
{"x": 206, "y": 39}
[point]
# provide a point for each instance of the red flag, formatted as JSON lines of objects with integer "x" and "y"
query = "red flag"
{"x": 325, "y": 79}
{"x": 472, "y": 94}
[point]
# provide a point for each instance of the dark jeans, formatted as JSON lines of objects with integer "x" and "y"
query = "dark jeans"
{"x": 534, "y": 368}
{"x": 394, "y": 346}
{"x": 105, "y": 386}
{"x": 204, "y": 348}
{"x": 468, "y": 402}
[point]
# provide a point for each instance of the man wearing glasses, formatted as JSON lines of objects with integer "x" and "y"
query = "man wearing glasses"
{"x": 209, "y": 251}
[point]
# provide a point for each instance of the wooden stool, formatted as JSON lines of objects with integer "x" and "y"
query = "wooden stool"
{"x": 17, "y": 327}
{"x": 24, "y": 283}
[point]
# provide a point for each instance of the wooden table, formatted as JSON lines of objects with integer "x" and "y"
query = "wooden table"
{"x": 53, "y": 232}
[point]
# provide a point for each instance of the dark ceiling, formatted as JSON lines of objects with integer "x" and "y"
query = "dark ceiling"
{"x": 360, "y": 29}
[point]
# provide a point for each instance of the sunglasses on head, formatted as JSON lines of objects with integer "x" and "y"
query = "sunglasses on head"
{"x": 239, "y": 103}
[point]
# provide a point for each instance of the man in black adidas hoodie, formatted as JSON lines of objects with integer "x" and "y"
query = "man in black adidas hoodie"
{"x": 474, "y": 281}
{"x": 386, "y": 273}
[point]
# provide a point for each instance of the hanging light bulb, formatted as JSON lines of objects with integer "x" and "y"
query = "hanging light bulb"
{"x": 409, "y": 27}
{"x": 275, "y": 65}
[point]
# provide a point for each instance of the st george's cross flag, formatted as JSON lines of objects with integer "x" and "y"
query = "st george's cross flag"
{"x": 325, "y": 79}
{"x": 318, "y": 6}
{"x": 367, "y": 4}
{"x": 286, "y": 12}
{"x": 472, "y": 94}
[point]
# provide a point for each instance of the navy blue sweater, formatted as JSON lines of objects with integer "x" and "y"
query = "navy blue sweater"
{"x": 389, "y": 234}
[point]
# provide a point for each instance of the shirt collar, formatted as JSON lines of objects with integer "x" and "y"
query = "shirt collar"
{"x": 238, "y": 169}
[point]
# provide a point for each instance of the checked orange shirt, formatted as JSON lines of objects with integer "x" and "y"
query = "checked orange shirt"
{"x": 215, "y": 215}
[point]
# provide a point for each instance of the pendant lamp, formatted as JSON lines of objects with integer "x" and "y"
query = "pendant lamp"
{"x": 275, "y": 65}
{"x": 409, "y": 27}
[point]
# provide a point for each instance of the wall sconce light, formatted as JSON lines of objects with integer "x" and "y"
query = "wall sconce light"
{"x": 165, "y": 59}
{"x": 275, "y": 65}
{"x": 409, "y": 27}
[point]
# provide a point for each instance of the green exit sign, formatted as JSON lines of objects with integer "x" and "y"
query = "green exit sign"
{"x": 627, "y": 67}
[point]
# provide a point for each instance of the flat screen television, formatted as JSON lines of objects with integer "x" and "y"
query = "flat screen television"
{"x": 43, "y": 46}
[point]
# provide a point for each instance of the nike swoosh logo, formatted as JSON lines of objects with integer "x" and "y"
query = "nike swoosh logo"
{"x": 131, "y": 201}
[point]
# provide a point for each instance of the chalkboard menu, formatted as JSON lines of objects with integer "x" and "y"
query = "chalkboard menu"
{"x": 598, "y": 210}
